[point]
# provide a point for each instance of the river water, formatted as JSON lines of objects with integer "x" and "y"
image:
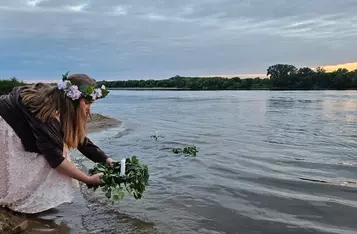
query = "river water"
{"x": 268, "y": 162}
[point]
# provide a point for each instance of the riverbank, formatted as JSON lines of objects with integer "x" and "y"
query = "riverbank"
{"x": 99, "y": 122}
{"x": 11, "y": 223}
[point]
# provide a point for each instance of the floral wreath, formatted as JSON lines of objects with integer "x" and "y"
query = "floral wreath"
{"x": 89, "y": 92}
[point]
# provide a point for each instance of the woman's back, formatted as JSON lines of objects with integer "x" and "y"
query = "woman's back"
{"x": 19, "y": 118}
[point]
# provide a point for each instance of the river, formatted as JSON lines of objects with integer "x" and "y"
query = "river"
{"x": 268, "y": 162}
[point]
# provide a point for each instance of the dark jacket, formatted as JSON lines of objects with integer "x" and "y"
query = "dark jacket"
{"x": 45, "y": 138}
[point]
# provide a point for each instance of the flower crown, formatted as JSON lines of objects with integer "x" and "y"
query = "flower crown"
{"x": 89, "y": 92}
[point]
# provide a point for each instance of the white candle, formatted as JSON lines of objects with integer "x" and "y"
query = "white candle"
{"x": 122, "y": 167}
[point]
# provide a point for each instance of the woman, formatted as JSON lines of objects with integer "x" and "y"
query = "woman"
{"x": 38, "y": 126}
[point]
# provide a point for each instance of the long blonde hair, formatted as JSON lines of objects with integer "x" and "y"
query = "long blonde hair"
{"x": 47, "y": 101}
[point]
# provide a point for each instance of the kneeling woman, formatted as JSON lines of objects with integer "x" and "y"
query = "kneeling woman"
{"x": 38, "y": 125}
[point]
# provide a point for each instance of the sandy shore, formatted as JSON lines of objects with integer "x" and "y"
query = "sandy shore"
{"x": 11, "y": 223}
{"x": 98, "y": 122}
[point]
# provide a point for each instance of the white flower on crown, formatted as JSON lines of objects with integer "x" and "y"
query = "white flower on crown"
{"x": 62, "y": 85}
{"x": 98, "y": 92}
{"x": 103, "y": 87}
{"x": 94, "y": 96}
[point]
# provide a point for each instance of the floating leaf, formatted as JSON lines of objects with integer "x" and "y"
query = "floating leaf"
{"x": 189, "y": 150}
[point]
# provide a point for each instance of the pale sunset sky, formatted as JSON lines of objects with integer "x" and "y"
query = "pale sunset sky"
{"x": 141, "y": 39}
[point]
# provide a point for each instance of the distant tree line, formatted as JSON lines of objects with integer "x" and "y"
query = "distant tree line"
{"x": 279, "y": 77}
{"x": 284, "y": 76}
{"x": 7, "y": 85}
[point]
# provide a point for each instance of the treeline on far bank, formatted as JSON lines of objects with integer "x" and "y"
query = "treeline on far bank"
{"x": 280, "y": 77}
{"x": 7, "y": 85}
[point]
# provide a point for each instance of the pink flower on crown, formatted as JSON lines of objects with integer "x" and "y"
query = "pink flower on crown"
{"x": 73, "y": 92}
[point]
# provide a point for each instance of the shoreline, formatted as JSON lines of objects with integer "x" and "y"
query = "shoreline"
{"x": 153, "y": 88}
{"x": 220, "y": 90}
{"x": 12, "y": 222}
{"x": 98, "y": 122}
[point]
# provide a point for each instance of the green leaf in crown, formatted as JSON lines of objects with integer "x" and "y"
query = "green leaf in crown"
{"x": 104, "y": 93}
{"x": 65, "y": 76}
{"x": 90, "y": 89}
{"x": 83, "y": 88}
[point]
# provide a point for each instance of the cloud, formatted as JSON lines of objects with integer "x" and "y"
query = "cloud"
{"x": 149, "y": 39}
{"x": 77, "y": 8}
{"x": 348, "y": 66}
{"x": 34, "y": 3}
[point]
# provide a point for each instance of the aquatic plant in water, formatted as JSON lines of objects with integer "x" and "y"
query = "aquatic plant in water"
{"x": 114, "y": 182}
{"x": 190, "y": 150}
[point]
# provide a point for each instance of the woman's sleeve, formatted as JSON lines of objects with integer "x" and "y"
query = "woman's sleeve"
{"x": 48, "y": 137}
{"x": 91, "y": 151}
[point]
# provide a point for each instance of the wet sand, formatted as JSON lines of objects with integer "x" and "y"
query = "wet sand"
{"x": 98, "y": 122}
{"x": 66, "y": 218}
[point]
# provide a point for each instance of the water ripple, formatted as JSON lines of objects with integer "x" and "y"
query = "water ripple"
{"x": 269, "y": 162}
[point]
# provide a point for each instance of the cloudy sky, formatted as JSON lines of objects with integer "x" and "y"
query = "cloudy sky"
{"x": 134, "y": 39}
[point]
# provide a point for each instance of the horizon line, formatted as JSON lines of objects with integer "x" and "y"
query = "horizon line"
{"x": 329, "y": 68}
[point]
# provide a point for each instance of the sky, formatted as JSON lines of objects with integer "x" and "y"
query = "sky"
{"x": 156, "y": 39}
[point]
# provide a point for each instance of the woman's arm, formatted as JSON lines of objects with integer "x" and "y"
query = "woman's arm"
{"x": 93, "y": 152}
{"x": 69, "y": 169}
{"x": 49, "y": 141}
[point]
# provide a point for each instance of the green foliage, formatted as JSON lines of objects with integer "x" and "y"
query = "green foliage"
{"x": 278, "y": 73}
{"x": 65, "y": 76}
{"x": 105, "y": 92}
{"x": 279, "y": 76}
{"x": 113, "y": 184}
{"x": 192, "y": 150}
{"x": 189, "y": 150}
{"x": 87, "y": 90}
{"x": 7, "y": 85}
{"x": 192, "y": 83}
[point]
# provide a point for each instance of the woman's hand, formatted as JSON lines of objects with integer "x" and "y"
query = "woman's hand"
{"x": 69, "y": 169}
{"x": 109, "y": 161}
{"x": 94, "y": 179}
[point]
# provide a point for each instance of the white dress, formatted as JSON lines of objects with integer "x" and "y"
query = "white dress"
{"x": 27, "y": 183}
